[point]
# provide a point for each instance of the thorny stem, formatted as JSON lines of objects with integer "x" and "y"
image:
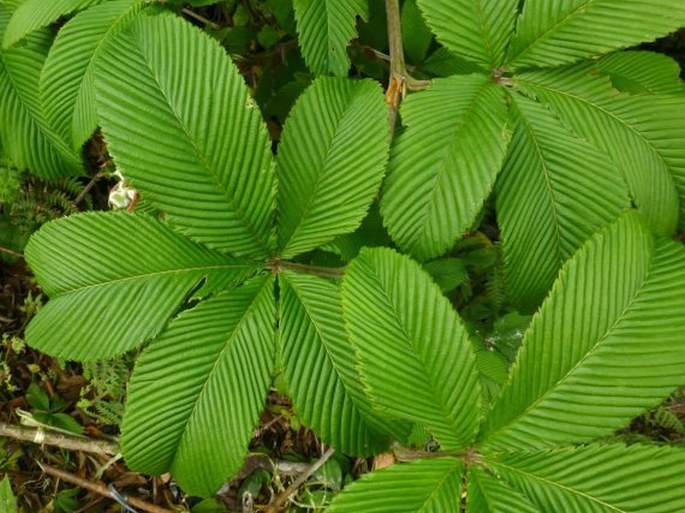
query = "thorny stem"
{"x": 277, "y": 265}
{"x": 400, "y": 80}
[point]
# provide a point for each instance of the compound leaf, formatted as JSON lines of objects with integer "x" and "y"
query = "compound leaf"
{"x": 554, "y": 192}
{"x": 555, "y": 32}
{"x": 443, "y": 166}
{"x": 330, "y": 162}
{"x": 320, "y": 369}
{"x": 26, "y": 136}
{"x": 32, "y": 15}
{"x": 67, "y": 87}
{"x": 415, "y": 355}
{"x": 197, "y": 392}
{"x": 598, "y": 479}
{"x": 114, "y": 280}
{"x": 325, "y": 28}
{"x": 643, "y": 134}
{"x": 182, "y": 127}
{"x": 487, "y": 494}
{"x": 422, "y": 486}
{"x": 479, "y": 30}
{"x": 603, "y": 347}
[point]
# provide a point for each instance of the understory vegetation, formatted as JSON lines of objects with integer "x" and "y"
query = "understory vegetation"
{"x": 342, "y": 255}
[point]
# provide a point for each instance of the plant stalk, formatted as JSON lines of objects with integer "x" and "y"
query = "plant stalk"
{"x": 400, "y": 80}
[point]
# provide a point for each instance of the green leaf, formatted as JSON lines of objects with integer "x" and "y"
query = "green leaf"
{"x": 416, "y": 36}
{"x": 8, "y": 503}
{"x": 35, "y": 14}
{"x": 331, "y": 161}
{"x": 554, "y": 192}
{"x": 599, "y": 479}
{"x": 26, "y": 137}
{"x": 448, "y": 273}
{"x": 444, "y": 165}
{"x": 638, "y": 72}
{"x": 488, "y": 494}
{"x": 320, "y": 368}
{"x": 479, "y": 30}
{"x": 37, "y": 398}
{"x": 554, "y": 32}
{"x": 443, "y": 63}
{"x": 67, "y": 87}
{"x": 492, "y": 371}
{"x": 114, "y": 280}
{"x": 643, "y": 134}
{"x": 325, "y": 28}
{"x": 605, "y": 346}
{"x": 422, "y": 486}
{"x": 182, "y": 127}
{"x": 415, "y": 355}
{"x": 197, "y": 392}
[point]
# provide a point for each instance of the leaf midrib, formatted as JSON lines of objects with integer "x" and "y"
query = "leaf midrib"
{"x": 320, "y": 178}
{"x": 528, "y": 127}
{"x": 447, "y": 416}
{"x": 96, "y": 53}
{"x": 610, "y": 115}
{"x": 545, "y": 35}
{"x": 562, "y": 486}
{"x": 212, "y": 173}
{"x": 441, "y": 171}
{"x": 588, "y": 354}
{"x": 229, "y": 338}
{"x": 153, "y": 274}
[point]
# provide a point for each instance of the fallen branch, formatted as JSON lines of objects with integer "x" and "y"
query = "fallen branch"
{"x": 292, "y": 489}
{"x": 70, "y": 443}
{"x": 100, "y": 488}
{"x": 11, "y": 252}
